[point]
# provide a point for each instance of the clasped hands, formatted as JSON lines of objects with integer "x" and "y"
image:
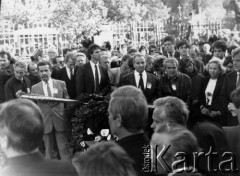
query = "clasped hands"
{"x": 208, "y": 112}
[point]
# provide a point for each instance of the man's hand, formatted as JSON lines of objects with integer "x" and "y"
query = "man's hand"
{"x": 205, "y": 111}
{"x": 19, "y": 93}
{"x": 214, "y": 113}
{"x": 232, "y": 109}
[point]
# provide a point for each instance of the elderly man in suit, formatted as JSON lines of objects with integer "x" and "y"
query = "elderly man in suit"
{"x": 54, "y": 121}
{"x": 21, "y": 132}
{"x": 145, "y": 81}
{"x": 92, "y": 78}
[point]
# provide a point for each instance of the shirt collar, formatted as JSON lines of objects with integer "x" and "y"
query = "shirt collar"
{"x": 50, "y": 81}
{"x": 92, "y": 64}
{"x": 18, "y": 79}
{"x": 144, "y": 73}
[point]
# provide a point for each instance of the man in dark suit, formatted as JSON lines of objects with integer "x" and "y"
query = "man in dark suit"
{"x": 168, "y": 46}
{"x": 6, "y": 72}
{"x": 68, "y": 74}
{"x": 128, "y": 113}
{"x": 92, "y": 78}
{"x": 233, "y": 133}
{"x": 145, "y": 81}
{"x": 33, "y": 73}
{"x": 21, "y": 133}
{"x": 19, "y": 83}
{"x": 174, "y": 83}
{"x": 231, "y": 81}
{"x": 53, "y": 113}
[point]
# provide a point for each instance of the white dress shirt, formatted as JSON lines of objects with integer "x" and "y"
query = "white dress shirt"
{"x": 137, "y": 78}
{"x": 93, "y": 69}
{"x": 69, "y": 72}
{"x": 210, "y": 90}
{"x": 50, "y": 82}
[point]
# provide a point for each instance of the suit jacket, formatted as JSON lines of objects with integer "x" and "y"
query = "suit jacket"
{"x": 13, "y": 85}
{"x": 5, "y": 75}
{"x": 215, "y": 106}
{"x": 134, "y": 146}
{"x": 151, "y": 91}
{"x": 183, "y": 87}
{"x": 70, "y": 83}
{"x": 216, "y": 93}
{"x": 35, "y": 164}
{"x": 85, "y": 81}
{"x": 53, "y": 113}
{"x": 229, "y": 85}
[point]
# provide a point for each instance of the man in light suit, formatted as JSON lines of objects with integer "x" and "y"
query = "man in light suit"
{"x": 145, "y": 81}
{"x": 53, "y": 113}
{"x": 92, "y": 78}
{"x": 21, "y": 132}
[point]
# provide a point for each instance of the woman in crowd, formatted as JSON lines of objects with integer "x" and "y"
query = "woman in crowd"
{"x": 210, "y": 93}
{"x": 158, "y": 66}
{"x": 104, "y": 159}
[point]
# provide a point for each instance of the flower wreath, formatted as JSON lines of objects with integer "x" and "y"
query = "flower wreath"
{"x": 89, "y": 122}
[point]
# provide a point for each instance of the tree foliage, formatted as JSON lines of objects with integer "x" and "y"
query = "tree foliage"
{"x": 136, "y": 10}
{"x": 28, "y": 11}
{"x": 83, "y": 18}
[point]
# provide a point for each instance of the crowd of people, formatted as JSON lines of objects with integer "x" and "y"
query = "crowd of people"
{"x": 183, "y": 99}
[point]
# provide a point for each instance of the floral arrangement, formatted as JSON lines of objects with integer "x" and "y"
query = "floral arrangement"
{"x": 89, "y": 122}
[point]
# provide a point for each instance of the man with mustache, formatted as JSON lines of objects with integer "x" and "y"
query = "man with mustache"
{"x": 53, "y": 113}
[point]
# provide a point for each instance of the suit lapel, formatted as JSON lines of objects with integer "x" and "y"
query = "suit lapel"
{"x": 65, "y": 73}
{"x": 40, "y": 88}
{"x": 55, "y": 87}
{"x": 133, "y": 80}
{"x": 218, "y": 86}
{"x": 149, "y": 80}
{"x": 102, "y": 73}
{"x": 90, "y": 74}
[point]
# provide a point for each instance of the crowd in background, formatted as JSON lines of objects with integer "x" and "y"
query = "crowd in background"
{"x": 193, "y": 89}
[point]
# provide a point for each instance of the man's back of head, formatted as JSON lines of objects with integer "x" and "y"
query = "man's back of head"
{"x": 22, "y": 127}
{"x": 129, "y": 103}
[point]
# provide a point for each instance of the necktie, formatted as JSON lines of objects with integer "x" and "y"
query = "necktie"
{"x": 96, "y": 79}
{"x": 71, "y": 74}
{"x": 49, "y": 90}
{"x": 238, "y": 80}
{"x": 141, "y": 85}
